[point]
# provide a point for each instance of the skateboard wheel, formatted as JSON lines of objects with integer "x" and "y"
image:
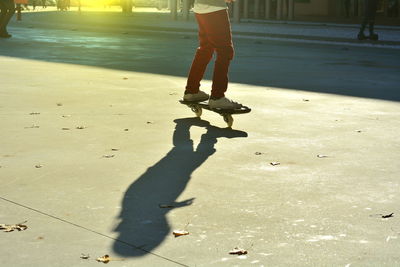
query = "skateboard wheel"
{"x": 228, "y": 119}
{"x": 197, "y": 110}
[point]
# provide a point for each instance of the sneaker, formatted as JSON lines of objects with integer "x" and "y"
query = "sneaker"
{"x": 224, "y": 103}
{"x": 374, "y": 36}
{"x": 361, "y": 36}
{"x": 5, "y": 35}
{"x": 198, "y": 97}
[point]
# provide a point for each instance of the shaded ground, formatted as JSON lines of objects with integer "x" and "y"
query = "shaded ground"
{"x": 339, "y": 69}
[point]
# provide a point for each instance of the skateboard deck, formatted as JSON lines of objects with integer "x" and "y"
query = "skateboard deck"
{"x": 197, "y": 108}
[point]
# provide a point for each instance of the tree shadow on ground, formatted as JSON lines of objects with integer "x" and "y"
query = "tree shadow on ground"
{"x": 143, "y": 224}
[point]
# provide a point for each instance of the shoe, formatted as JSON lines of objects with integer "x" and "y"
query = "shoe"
{"x": 361, "y": 36}
{"x": 198, "y": 97}
{"x": 374, "y": 36}
{"x": 224, "y": 103}
{"x": 5, "y": 35}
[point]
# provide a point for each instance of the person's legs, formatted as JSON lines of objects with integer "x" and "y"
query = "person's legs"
{"x": 371, "y": 13}
{"x": 7, "y": 11}
{"x": 369, "y": 18}
{"x": 201, "y": 59}
{"x": 220, "y": 37}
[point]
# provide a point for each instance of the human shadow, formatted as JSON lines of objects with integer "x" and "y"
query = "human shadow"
{"x": 143, "y": 224}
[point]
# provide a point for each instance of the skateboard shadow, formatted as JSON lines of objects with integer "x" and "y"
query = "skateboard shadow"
{"x": 143, "y": 224}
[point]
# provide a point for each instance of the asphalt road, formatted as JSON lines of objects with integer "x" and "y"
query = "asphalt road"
{"x": 338, "y": 69}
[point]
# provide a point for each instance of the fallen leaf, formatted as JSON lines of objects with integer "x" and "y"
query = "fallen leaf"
{"x": 80, "y": 127}
{"x": 85, "y": 256}
{"x": 59, "y": 104}
{"x": 126, "y": 130}
{"x": 238, "y": 251}
{"x": 108, "y": 156}
{"x": 275, "y": 163}
{"x": 12, "y": 227}
{"x": 38, "y": 166}
{"x": 65, "y": 129}
{"x": 178, "y": 233}
{"x": 150, "y": 122}
{"x": 114, "y": 149}
{"x": 322, "y": 156}
{"x": 306, "y": 100}
{"x": 125, "y": 78}
{"x": 258, "y": 153}
{"x": 358, "y": 131}
{"x": 388, "y": 216}
{"x": 66, "y": 116}
{"x": 104, "y": 259}
{"x": 34, "y": 113}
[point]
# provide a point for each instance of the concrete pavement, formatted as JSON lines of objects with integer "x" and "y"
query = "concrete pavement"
{"x": 88, "y": 154}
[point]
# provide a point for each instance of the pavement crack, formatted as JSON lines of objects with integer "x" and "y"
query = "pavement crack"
{"x": 90, "y": 230}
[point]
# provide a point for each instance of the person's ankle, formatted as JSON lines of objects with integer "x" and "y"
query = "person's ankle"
{"x": 215, "y": 97}
{"x": 187, "y": 92}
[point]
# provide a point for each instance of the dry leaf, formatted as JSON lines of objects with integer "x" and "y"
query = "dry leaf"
{"x": 38, "y": 166}
{"x": 388, "y": 216}
{"x": 80, "y": 127}
{"x": 108, "y": 156}
{"x": 65, "y": 129}
{"x": 34, "y": 113}
{"x": 104, "y": 259}
{"x": 85, "y": 256}
{"x": 178, "y": 233}
{"x": 59, "y": 104}
{"x": 306, "y": 100}
{"x": 238, "y": 251}
{"x": 322, "y": 156}
{"x": 126, "y": 130}
{"x": 275, "y": 163}
{"x": 66, "y": 116}
{"x": 114, "y": 149}
{"x": 258, "y": 153}
{"x": 12, "y": 227}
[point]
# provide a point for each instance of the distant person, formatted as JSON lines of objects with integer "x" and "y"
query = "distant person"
{"x": 369, "y": 18}
{"x": 347, "y": 8}
{"x": 214, "y": 36}
{"x": 19, "y": 8}
{"x": 44, "y": 4}
{"x": 34, "y": 4}
{"x": 7, "y": 8}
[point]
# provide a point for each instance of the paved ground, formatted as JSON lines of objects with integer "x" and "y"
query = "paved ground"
{"x": 88, "y": 152}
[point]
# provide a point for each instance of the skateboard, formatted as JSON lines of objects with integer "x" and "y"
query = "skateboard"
{"x": 197, "y": 108}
